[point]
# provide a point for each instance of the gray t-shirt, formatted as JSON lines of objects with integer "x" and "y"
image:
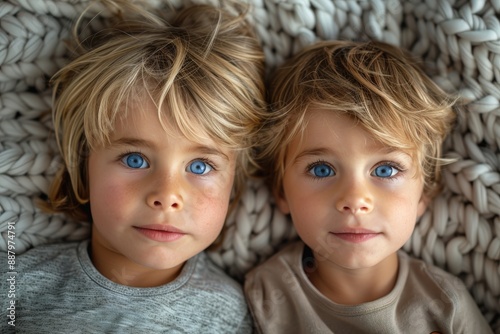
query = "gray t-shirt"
{"x": 58, "y": 290}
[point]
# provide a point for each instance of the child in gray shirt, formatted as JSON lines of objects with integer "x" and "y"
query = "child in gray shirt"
{"x": 154, "y": 122}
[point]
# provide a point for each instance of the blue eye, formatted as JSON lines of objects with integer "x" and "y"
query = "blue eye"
{"x": 322, "y": 170}
{"x": 199, "y": 167}
{"x": 385, "y": 171}
{"x": 135, "y": 160}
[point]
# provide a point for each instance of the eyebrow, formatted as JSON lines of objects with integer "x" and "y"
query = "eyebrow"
{"x": 326, "y": 151}
{"x": 204, "y": 149}
{"x": 313, "y": 152}
{"x": 125, "y": 141}
{"x": 209, "y": 151}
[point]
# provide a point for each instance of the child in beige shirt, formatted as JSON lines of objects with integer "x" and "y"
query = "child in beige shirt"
{"x": 353, "y": 148}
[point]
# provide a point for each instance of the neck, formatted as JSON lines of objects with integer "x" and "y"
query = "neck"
{"x": 355, "y": 286}
{"x": 119, "y": 269}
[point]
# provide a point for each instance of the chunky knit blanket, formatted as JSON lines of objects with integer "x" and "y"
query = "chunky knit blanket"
{"x": 459, "y": 41}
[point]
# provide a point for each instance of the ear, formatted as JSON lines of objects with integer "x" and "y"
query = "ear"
{"x": 282, "y": 202}
{"x": 422, "y": 205}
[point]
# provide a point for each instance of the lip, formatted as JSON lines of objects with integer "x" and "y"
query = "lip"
{"x": 355, "y": 235}
{"x": 159, "y": 232}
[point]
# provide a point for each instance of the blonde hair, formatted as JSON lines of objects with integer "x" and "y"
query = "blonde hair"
{"x": 202, "y": 69}
{"x": 379, "y": 85}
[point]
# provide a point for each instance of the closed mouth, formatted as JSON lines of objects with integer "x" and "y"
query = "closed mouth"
{"x": 162, "y": 233}
{"x": 160, "y": 227}
{"x": 356, "y": 235}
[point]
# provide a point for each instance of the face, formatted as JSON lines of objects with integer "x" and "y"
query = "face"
{"x": 157, "y": 198}
{"x": 353, "y": 200}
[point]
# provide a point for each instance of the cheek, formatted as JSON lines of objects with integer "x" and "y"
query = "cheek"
{"x": 212, "y": 203}
{"x": 403, "y": 213}
{"x": 219, "y": 191}
{"x": 108, "y": 200}
{"x": 308, "y": 209}
{"x": 212, "y": 191}
{"x": 304, "y": 199}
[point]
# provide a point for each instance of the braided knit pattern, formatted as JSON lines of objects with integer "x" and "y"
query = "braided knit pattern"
{"x": 459, "y": 42}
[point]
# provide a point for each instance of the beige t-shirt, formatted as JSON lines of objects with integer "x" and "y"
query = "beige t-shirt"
{"x": 425, "y": 299}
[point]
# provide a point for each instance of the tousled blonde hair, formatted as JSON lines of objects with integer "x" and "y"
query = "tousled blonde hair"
{"x": 380, "y": 86}
{"x": 203, "y": 69}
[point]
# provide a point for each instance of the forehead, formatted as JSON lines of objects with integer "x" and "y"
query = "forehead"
{"x": 143, "y": 116}
{"x": 142, "y": 119}
{"x": 327, "y": 132}
{"x": 322, "y": 126}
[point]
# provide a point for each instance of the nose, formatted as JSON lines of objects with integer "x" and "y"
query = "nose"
{"x": 354, "y": 197}
{"x": 165, "y": 193}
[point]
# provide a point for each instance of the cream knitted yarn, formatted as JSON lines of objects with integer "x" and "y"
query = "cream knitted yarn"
{"x": 458, "y": 40}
